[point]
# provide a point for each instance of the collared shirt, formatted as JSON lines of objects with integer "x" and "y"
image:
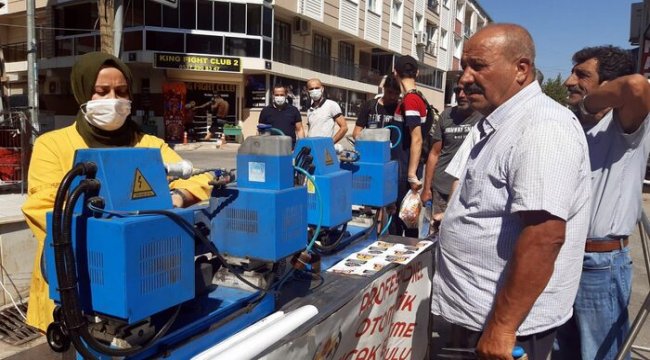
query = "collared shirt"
{"x": 320, "y": 118}
{"x": 283, "y": 118}
{"x": 618, "y": 166}
{"x": 534, "y": 158}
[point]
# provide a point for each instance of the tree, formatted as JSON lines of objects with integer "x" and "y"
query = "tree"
{"x": 555, "y": 90}
{"x": 106, "y": 18}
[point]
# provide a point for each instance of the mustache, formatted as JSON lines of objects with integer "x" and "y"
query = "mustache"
{"x": 473, "y": 89}
{"x": 576, "y": 89}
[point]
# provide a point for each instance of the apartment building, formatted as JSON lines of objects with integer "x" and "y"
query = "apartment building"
{"x": 183, "y": 56}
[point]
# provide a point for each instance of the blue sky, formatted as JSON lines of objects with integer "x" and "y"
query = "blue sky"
{"x": 561, "y": 27}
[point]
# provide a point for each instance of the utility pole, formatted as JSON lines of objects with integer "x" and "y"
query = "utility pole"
{"x": 32, "y": 70}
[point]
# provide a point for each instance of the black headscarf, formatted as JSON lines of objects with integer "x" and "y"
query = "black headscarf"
{"x": 83, "y": 77}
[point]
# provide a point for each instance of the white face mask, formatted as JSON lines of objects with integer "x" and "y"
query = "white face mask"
{"x": 106, "y": 114}
{"x": 279, "y": 100}
{"x": 316, "y": 94}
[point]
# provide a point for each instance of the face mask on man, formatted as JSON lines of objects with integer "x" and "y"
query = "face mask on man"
{"x": 106, "y": 114}
{"x": 279, "y": 100}
{"x": 316, "y": 94}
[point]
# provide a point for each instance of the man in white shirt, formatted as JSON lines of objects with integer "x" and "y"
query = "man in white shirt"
{"x": 324, "y": 113}
{"x": 512, "y": 239}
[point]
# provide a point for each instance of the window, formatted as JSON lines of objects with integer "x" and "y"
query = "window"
{"x": 242, "y": 47}
{"x": 188, "y": 14}
{"x": 443, "y": 39}
{"x": 433, "y": 5}
{"x": 430, "y": 76}
{"x": 396, "y": 12}
{"x": 152, "y": 14}
{"x": 445, "y": 3}
{"x": 346, "y": 60}
{"x": 170, "y": 17}
{"x": 238, "y": 18}
{"x": 204, "y": 44}
{"x": 267, "y": 21}
{"x": 417, "y": 23}
{"x": 432, "y": 35}
{"x": 266, "y": 50}
{"x": 165, "y": 41}
{"x": 82, "y": 16}
{"x": 282, "y": 42}
{"x": 204, "y": 15}
{"x": 460, "y": 11}
{"x": 254, "y": 19}
{"x": 372, "y": 6}
{"x": 322, "y": 53}
{"x": 221, "y": 16}
{"x": 134, "y": 14}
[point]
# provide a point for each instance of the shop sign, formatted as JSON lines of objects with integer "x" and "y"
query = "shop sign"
{"x": 197, "y": 62}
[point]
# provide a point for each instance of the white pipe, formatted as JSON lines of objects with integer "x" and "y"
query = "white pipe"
{"x": 216, "y": 349}
{"x": 252, "y": 346}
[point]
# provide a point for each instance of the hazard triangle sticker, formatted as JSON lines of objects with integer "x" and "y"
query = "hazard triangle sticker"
{"x": 141, "y": 187}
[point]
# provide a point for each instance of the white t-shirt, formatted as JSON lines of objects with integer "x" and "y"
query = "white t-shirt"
{"x": 320, "y": 118}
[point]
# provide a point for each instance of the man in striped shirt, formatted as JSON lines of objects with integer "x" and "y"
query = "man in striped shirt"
{"x": 512, "y": 238}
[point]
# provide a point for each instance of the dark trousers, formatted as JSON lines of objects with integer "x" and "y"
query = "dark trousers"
{"x": 537, "y": 346}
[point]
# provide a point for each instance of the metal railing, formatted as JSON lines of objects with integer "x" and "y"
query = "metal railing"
{"x": 14, "y": 150}
{"x": 17, "y": 52}
{"x": 296, "y": 56}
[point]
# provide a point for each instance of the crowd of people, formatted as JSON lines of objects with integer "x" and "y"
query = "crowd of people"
{"x": 533, "y": 201}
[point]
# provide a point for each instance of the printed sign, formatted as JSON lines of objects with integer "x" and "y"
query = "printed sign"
{"x": 196, "y": 62}
{"x": 256, "y": 172}
{"x": 141, "y": 187}
{"x": 387, "y": 320}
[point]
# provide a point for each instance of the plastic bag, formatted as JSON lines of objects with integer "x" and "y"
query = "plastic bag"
{"x": 409, "y": 211}
{"x": 425, "y": 221}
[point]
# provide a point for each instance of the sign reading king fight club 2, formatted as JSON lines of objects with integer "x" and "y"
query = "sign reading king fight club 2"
{"x": 197, "y": 62}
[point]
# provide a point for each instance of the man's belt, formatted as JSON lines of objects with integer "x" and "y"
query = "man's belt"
{"x": 598, "y": 245}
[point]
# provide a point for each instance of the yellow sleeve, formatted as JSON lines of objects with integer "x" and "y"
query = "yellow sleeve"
{"x": 46, "y": 170}
{"x": 44, "y": 177}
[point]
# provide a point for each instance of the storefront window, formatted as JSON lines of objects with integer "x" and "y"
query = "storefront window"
{"x": 254, "y": 19}
{"x": 204, "y": 44}
{"x": 242, "y": 47}
{"x": 238, "y": 18}
{"x": 221, "y": 16}
{"x": 204, "y": 15}
{"x": 355, "y": 99}
{"x": 296, "y": 92}
{"x": 255, "y": 91}
{"x": 188, "y": 14}
{"x": 164, "y": 41}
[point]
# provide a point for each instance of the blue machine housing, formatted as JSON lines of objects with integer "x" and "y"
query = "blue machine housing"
{"x": 265, "y": 217}
{"x": 332, "y": 181}
{"x": 374, "y": 176}
{"x": 135, "y": 266}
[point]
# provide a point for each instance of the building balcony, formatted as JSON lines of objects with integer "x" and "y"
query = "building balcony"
{"x": 296, "y": 56}
{"x": 17, "y": 52}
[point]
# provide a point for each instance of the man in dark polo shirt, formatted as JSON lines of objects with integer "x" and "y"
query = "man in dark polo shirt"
{"x": 283, "y": 116}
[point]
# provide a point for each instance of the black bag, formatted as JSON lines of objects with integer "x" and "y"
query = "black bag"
{"x": 432, "y": 117}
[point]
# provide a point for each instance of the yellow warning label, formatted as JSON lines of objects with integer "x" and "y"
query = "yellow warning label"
{"x": 328, "y": 158}
{"x": 310, "y": 187}
{"x": 141, "y": 187}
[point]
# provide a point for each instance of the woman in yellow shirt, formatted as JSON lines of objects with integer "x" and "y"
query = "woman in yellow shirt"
{"x": 101, "y": 84}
